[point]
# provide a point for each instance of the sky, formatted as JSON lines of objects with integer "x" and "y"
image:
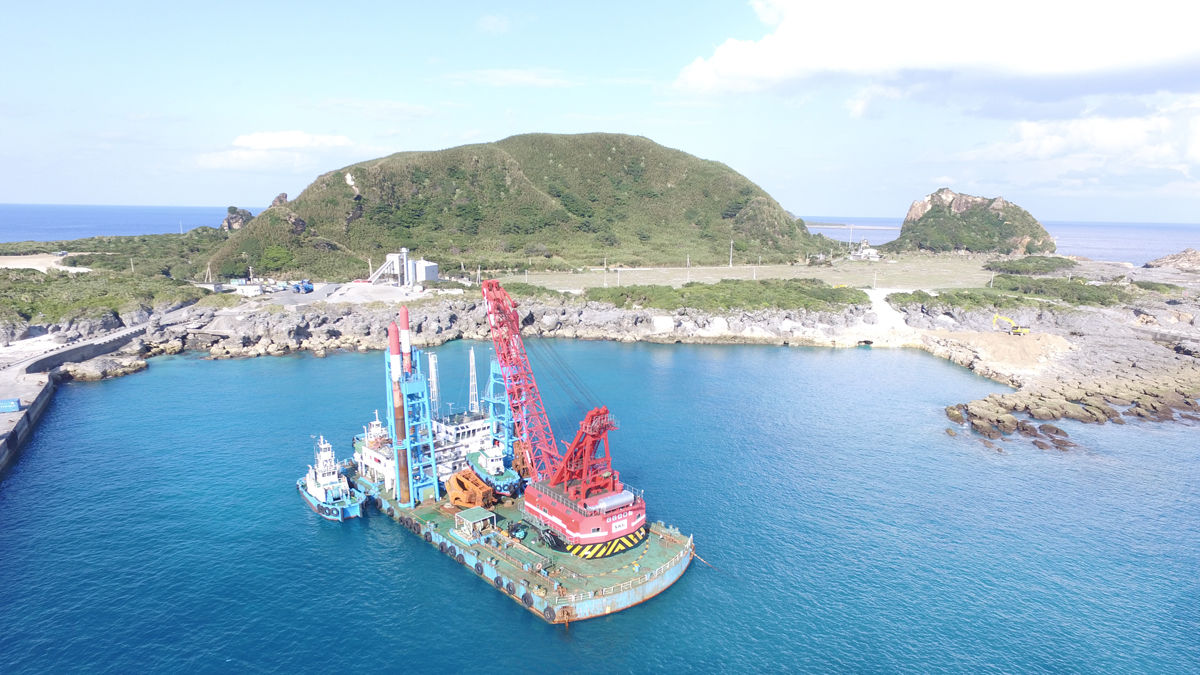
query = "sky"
{"x": 1076, "y": 111}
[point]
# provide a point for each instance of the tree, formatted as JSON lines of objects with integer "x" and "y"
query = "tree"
{"x": 275, "y": 258}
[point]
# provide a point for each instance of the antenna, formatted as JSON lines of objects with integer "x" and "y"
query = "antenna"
{"x": 434, "y": 398}
{"x": 473, "y": 405}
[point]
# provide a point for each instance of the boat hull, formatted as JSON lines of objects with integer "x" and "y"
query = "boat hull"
{"x": 334, "y": 511}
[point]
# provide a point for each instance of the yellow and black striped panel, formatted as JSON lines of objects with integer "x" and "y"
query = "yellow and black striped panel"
{"x": 605, "y": 549}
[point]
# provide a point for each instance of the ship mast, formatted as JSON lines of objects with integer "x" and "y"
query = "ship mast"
{"x": 434, "y": 396}
{"x": 473, "y": 403}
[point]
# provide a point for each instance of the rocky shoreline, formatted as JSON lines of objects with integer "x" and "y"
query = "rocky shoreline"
{"x": 1092, "y": 364}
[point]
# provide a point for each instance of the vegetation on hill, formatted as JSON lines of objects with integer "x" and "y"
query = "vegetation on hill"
{"x": 177, "y": 256}
{"x": 1033, "y": 264}
{"x": 542, "y": 200}
{"x": 1011, "y": 291}
{"x": 1158, "y": 287}
{"x": 36, "y": 297}
{"x": 948, "y": 221}
{"x": 811, "y": 294}
{"x": 965, "y": 299}
{"x": 1071, "y": 291}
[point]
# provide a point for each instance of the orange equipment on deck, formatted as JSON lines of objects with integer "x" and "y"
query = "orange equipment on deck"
{"x": 466, "y": 489}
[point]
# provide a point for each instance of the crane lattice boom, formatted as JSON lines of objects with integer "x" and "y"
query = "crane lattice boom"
{"x": 529, "y": 414}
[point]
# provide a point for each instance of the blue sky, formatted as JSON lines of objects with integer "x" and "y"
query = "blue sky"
{"x": 1077, "y": 111}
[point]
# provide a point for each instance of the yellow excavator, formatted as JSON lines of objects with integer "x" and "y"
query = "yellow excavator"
{"x": 1012, "y": 328}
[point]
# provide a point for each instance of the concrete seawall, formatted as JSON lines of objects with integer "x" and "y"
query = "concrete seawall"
{"x": 31, "y": 382}
{"x": 23, "y": 422}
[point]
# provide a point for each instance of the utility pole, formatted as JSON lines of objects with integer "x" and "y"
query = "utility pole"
{"x": 131, "y": 264}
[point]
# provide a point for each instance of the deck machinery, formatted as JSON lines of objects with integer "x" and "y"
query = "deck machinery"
{"x": 577, "y": 493}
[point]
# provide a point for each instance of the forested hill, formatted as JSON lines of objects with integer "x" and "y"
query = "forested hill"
{"x": 557, "y": 201}
{"x": 949, "y": 221}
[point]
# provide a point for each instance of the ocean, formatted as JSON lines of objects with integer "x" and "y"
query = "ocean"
{"x": 152, "y": 525}
{"x": 1135, "y": 243}
{"x": 56, "y": 222}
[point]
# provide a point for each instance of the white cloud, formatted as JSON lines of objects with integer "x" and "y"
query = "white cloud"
{"x": 512, "y": 77}
{"x": 862, "y": 99}
{"x": 376, "y": 109}
{"x": 492, "y": 23}
{"x": 1022, "y": 38}
{"x": 1193, "y": 151}
{"x": 248, "y": 160}
{"x": 294, "y": 151}
{"x": 1150, "y": 154}
{"x": 285, "y": 140}
{"x": 1153, "y": 141}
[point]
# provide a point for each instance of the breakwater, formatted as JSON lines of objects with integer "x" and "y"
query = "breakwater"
{"x": 33, "y": 384}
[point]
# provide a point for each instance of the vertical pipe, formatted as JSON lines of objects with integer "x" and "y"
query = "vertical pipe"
{"x": 398, "y": 416}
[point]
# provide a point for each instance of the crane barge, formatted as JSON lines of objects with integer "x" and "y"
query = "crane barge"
{"x": 594, "y": 553}
{"x": 577, "y": 494}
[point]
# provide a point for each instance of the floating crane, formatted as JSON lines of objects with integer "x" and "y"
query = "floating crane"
{"x": 577, "y": 494}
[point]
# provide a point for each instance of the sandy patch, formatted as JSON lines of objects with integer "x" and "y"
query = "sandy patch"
{"x": 41, "y": 262}
{"x": 1016, "y": 353}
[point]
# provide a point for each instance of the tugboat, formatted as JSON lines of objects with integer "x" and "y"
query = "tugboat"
{"x": 326, "y": 490}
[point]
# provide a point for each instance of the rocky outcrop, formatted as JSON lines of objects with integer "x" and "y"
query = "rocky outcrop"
{"x": 297, "y": 223}
{"x": 102, "y": 367}
{"x": 236, "y": 218}
{"x": 1187, "y": 260}
{"x": 280, "y": 199}
{"x": 950, "y": 221}
{"x": 355, "y": 328}
{"x": 955, "y": 202}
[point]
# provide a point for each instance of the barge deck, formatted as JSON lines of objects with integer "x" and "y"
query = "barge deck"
{"x": 556, "y": 585}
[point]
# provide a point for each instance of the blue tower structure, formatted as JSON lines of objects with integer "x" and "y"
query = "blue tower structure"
{"x": 499, "y": 413}
{"x": 416, "y": 442}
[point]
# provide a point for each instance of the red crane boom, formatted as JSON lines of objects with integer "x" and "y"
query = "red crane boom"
{"x": 538, "y": 451}
{"x": 576, "y": 494}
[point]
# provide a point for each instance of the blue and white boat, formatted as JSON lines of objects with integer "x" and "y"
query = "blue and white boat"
{"x": 326, "y": 490}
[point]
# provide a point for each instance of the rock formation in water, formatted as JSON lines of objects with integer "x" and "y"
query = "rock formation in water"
{"x": 1187, "y": 260}
{"x": 949, "y": 221}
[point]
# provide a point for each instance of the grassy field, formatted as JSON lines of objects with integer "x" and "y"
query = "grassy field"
{"x": 908, "y": 272}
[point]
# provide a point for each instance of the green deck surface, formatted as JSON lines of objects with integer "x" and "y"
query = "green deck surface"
{"x": 575, "y": 575}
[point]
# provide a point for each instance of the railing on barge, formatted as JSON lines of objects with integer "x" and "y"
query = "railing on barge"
{"x": 625, "y": 585}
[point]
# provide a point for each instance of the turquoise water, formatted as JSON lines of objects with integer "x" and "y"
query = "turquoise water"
{"x": 152, "y": 525}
